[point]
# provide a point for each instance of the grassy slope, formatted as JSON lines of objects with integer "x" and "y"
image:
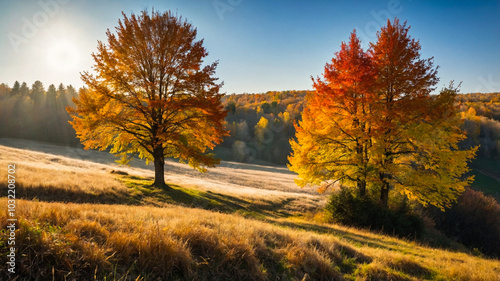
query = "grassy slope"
{"x": 80, "y": 221}
{"x": 487, "y": 176}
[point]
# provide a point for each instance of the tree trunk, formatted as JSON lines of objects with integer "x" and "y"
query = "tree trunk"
{"x": 361, "y": 185}
{"x": 384, "y": 194}
{"x": 361, "y": 182}
{"x": 159, "y": 160}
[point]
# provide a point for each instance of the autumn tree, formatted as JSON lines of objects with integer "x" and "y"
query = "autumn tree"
{"x": 429, "y": 166}
{"x": 151, "y": 96}
{"x": 333, "y": 138}
{"x": 374, "y": 123}
{"x": 413, "y": 124}
{"x": 404, "y": 82}
{"x": 262, "y": 131}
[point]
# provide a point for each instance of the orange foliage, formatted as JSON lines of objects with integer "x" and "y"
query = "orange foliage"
{"x": 151, "y": 96}
{"x": 372, "y": 123}
{"x": 333, "y": 137}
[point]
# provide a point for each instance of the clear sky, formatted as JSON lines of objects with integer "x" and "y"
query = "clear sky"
{"x": 261, "y": 45}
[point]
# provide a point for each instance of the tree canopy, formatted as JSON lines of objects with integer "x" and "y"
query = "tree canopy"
{"x": 372, "y": 123}
{"x": 151, "y": 96}
{"x": 333, "y": 138}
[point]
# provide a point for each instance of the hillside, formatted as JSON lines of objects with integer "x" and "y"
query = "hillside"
{"x": 260, "y": 125}
{"x": 83, "y": 217}
{"x": 279, "y": 111}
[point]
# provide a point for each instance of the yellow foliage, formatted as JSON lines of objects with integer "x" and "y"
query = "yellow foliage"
{"x": 152, "y": 100}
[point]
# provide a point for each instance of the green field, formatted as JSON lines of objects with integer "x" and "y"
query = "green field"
{"x": 487, "y": 176}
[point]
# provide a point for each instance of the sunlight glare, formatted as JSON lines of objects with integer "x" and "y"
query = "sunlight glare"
{"x": 62, "y": 56}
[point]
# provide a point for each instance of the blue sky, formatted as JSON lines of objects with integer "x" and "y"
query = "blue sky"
{"x": 261, "y": 45}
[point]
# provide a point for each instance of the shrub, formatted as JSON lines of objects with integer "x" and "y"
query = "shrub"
{"x": 349, "y": 209}
{"x": 473, "y": 221}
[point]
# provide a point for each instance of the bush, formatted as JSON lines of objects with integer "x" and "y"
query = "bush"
{"x": 473, "y": 221}
{"x": 349, "y": 209}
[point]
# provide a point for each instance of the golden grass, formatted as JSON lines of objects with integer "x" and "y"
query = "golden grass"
{"x": 174, "y": 242}
{"x": 86, "y": 241}
{"x": 44, "y": 183}
{"x": 48, "y": 177}
{"x": 45, "y": 176}
{"x": 68, "y": 238}
{"x": 59, "y": 177}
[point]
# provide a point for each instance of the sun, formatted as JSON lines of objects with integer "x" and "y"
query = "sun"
{"x": 62, "y": 56}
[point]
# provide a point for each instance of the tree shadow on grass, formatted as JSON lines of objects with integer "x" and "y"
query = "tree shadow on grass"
{"x": 357, "y": 239}
{"x": 411, "y": 268}
{"x": 404, "y": 265}
{"x": 51, "y": 193}
{"x": 139, "y": 191}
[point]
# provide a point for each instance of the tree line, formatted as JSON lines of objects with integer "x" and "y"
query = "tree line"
{"x": 37, "y": 113}
{"x": 481, "y": 114}
{"x": 260, "y": 126}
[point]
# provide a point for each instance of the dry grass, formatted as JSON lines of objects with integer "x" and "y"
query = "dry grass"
{"x": 87, "y": 241}
{"x": 173, "y": 242}
{"x": 251, "y": 183}
{"x": 42, "y": 175}
{"x": 68, "y": 186}
{"x": 144, "y": 233}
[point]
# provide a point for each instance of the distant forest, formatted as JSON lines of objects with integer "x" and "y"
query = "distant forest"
{"x": 482, "y": 123}
{"x": 260, "y": 125}
{"x": 37, "y": 113}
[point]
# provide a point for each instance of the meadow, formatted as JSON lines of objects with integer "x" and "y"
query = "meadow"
{"x": 83, "y": 217}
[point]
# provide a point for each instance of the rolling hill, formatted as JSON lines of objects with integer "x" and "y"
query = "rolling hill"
{"x": 83, "y": 217}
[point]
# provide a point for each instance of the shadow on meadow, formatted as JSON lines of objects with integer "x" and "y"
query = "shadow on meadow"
{"x": 408, "y": 267}
{"x": 357, "y": 239}
{"x": 142, "y": 191}
{"x": 139, "y": 191}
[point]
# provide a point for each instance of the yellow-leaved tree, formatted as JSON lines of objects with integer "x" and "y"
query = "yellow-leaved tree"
{"x": 373, "y": 123}
{"x": 151, "y": 96}
{"x": 430, "y": 167}
{"x": 333, "y": 138}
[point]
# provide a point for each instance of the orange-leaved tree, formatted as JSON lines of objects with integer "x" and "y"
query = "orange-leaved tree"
{"x": 404, "y": 82}
{"x": 373, "y": 123}
{"x": 333, "y": 138}
{"x": 415, "y": 133}
{"x": 151, "y": 96}
{"x": 427, "y": 164}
